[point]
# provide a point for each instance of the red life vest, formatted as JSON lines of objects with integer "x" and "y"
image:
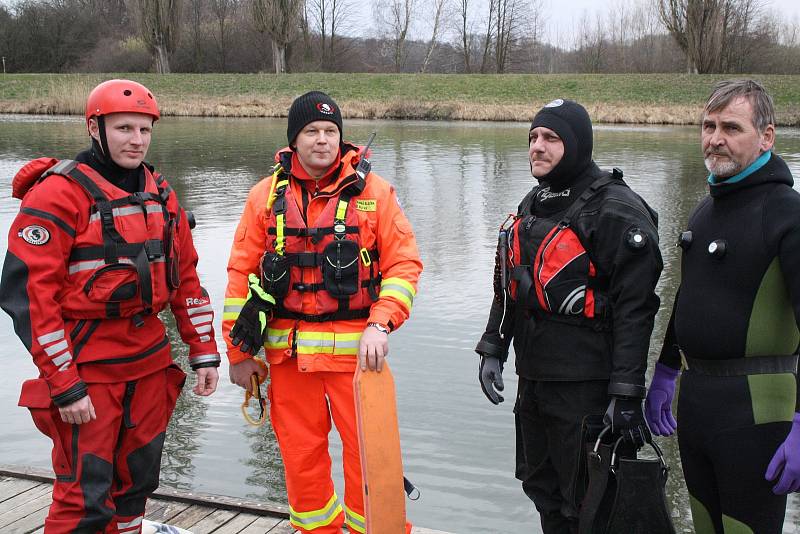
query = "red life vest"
{"x": 329, "y": 260}
{"x": 558, "y": 275}
{"x": 125, "y": 263}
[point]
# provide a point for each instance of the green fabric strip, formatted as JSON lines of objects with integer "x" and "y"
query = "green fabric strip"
{"x": 773, "y": 397}
{"x": 732, "y": 526}
{"x": 700, "y": 517}
{"x": 772, "y": 329}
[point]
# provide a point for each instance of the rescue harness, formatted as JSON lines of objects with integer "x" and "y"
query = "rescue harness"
{"x": 108, "y": 283}
{"x": 558, "y": 279}
{"x": 348, "y": 273}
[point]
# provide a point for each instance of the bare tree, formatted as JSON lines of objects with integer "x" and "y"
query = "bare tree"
{"x": 159, "y": 23}
{"x": 438, "y": 13}
{"x": 278, "y": 19}
{"x": 592, "y": 44}
{"x": 196, "y": 11}
{"x": 708, "y": 30}
{"x": 396, "y": 17}
{"x": 222, "y": 10}
{"x": 487, "y": 42}
{"x": 505, "y": 27}
{"x": 465, "y": 33}
{"x": 329, "y": 17}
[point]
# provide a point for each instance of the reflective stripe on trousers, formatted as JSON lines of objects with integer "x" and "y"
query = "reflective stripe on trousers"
{"x": 313, "y": 519}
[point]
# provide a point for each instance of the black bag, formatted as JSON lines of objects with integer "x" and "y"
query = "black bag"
{"x": 275, "y": 274}
{"x": 340, "y": 268}
{"x": 625, "y": 494}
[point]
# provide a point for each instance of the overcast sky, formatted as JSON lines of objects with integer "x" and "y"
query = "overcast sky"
{"x": 565, "y": 14}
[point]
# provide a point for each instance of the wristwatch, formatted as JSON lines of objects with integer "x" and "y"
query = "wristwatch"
{"x": 379, "y": 327}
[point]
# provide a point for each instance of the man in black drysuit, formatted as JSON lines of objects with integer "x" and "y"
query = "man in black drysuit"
{"x": 734, "y": 326}
{"x": 583, "y": 261}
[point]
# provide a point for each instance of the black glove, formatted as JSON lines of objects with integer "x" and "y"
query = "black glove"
{"x": 626, "y": 417}
{"x": 490, "y": 375}
{"x": 251, "y": 326}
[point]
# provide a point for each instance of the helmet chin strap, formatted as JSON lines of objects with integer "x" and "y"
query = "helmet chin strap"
{"x": 101, "y": 126}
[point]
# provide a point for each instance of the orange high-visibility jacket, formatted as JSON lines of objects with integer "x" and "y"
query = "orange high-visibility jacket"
{"x": 382, "y": 226}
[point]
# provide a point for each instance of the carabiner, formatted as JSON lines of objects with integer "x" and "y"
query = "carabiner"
{"x": 254, "y": 392}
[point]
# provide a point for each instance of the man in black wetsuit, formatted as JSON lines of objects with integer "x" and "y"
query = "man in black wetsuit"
{"x": 734, "y": 326}
{"x": 582, "y": 262}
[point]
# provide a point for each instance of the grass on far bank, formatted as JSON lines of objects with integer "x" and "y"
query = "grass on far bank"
{"x": 617, "y": 98}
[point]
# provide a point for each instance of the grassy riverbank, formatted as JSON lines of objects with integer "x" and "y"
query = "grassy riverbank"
{"x": 620, "y": 98}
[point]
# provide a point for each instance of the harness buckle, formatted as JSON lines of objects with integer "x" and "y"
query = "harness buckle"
{"x": 365, "y": 257}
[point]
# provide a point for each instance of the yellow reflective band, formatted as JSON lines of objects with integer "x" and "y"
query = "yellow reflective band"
{"x": 280, "y": 238}
{"x": 277, "y": 339}
{"x": 355, "y": 521}
{"x": 341, "y": 210}
{"x": 232, "y": 308}
{"x": 399, "y": 289}
{"x": 316, "y": 518}
{"x": 366, "y": 205}
{"x": 327, "y": 343}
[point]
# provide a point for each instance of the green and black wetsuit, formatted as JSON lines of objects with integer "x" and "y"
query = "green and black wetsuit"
{"x": 735, "y": 320}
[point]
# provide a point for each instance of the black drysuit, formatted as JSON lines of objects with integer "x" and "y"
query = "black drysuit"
{"x": 568, "y": 365}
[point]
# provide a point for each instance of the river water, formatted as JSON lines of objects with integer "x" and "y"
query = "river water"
{"x": 456, "y": 182}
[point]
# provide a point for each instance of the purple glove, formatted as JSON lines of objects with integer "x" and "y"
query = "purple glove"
{"x": 786, "y": 462}
{"x": 658, "y": 404}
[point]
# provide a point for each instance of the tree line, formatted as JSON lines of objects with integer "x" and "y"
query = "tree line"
{"x": 443, "y": 36}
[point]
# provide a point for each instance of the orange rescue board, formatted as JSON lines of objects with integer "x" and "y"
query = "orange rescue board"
{"x": 381, "y": 461}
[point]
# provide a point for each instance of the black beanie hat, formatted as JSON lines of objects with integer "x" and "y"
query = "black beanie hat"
{"x": 310, "y": 107}
{"x": 571, "y": 122}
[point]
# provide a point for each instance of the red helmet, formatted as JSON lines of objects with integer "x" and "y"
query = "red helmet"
{"x": 121, "y": 96}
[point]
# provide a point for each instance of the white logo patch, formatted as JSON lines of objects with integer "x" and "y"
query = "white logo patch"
{"x": 555, "y": 103}
{"x": 35, "y": 234}
{"x": 546, "y": 194}
{"x": 325, "y": 108}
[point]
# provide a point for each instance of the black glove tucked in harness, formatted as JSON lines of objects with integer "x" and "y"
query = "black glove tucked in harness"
{"x": 251, "y": 326}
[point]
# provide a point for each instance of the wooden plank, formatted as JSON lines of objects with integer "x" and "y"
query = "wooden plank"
{"x": 190, "y": 516}
{"x": 262, "y": 525}
{"x": 168, "y": 512}
{"x": 27, "y": 473}
{"x": 212, "y": 522}
{"x": 225, "y": 503}
{"x": 22, "y": 498}
{"x": 261, "y": 507}
{"x": 10, "y": 487}
{"x": 38, "y": 504}
{"x": 284, "y": 527}
{"x": 153, "y": 506}
{"x": 28, "y": 523}
{"x": 237, "y": 524}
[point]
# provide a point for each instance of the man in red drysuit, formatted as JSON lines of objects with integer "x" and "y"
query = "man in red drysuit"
{"x": 99, "y": 247}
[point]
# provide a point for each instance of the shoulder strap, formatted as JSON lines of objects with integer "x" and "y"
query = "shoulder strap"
{"x": 588, "y": 193}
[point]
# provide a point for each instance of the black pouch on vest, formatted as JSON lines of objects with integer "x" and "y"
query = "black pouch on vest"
{"x": 340, "y": 268}
{"x": 275, "y": 274}
{"x": 116, "y": 282}
{"x": 172, "y": 260}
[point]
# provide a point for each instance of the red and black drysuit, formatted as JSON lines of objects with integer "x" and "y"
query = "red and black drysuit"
{"x": 582, "y": 331}
{"x": 90, "y": 263}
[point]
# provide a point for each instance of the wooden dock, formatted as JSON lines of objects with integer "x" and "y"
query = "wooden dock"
{"x": 25, "y": 496}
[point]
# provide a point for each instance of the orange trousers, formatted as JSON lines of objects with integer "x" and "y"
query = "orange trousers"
{"x": 301, "y": 408}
